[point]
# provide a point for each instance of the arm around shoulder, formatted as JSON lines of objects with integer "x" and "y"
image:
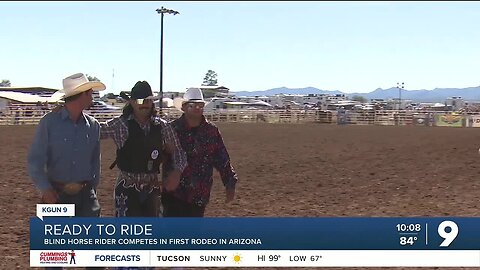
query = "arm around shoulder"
{"x": 174, "y": 148}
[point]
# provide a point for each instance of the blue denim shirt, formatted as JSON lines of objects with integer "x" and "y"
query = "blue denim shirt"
{"x": 64, "y": 151}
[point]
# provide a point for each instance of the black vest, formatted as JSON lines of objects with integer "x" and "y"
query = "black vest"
{"x": 141, "y": 153}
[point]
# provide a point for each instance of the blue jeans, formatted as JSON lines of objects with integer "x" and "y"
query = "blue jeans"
{"x": 86, "y": 205}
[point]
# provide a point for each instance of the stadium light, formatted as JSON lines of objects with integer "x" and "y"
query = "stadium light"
{"x": 162, "y": 11}
{"x": 400, "y": 87}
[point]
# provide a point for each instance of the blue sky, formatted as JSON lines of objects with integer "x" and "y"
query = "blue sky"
{"x": 346, "y": 46}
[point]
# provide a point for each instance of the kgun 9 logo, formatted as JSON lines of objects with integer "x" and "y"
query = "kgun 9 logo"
{"x": 450, "y": 235}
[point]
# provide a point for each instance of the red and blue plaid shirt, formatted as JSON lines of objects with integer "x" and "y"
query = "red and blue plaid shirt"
{"x": 205, "y": 150}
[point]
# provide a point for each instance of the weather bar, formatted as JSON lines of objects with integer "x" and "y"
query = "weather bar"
{"x": 261, "y": 258}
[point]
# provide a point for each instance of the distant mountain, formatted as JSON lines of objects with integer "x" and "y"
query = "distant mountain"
{"x": 285, "y": 90}
{"x": 435, "y": 95}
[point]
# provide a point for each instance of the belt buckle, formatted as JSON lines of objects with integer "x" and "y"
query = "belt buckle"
{"x": 72, "y": 188}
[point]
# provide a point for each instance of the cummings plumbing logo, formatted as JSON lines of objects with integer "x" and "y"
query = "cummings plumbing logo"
{"x": 54, "y": 257}
{"x": 72, "y": 257}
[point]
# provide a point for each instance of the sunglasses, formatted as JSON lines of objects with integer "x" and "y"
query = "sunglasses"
{"x": 195, "y": 105}
{"x": 141, "y": 101}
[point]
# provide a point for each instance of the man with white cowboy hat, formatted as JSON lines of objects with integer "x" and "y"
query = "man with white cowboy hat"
{"x": 205, "y": 150}
{"x": 143, "y": 141}
{"x": 64, "y": 158}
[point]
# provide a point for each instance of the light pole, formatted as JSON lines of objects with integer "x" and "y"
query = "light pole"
{"x": 400, "y": 87}
{"x": 162, "y": 11}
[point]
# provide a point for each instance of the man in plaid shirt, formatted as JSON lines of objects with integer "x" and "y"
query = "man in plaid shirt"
{"x": 143, "y": 140}
{"x": 205, "y": 150}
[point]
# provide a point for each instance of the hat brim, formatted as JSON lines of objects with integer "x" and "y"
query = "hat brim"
{"x": 94, "y": 85}
{"x": 126, "y": 96}
{"x": 149, "y": 97}
{"x": 178, "y": 102}
{"x": 195, "y": 101}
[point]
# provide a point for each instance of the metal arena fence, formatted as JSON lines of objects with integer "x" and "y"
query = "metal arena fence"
{"x": 24, "y": 115}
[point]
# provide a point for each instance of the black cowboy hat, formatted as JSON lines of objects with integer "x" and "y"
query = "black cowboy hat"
{"x": 141, "y": 90}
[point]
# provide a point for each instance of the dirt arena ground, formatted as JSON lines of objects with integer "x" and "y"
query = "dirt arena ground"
{"x": 307, "y": 170}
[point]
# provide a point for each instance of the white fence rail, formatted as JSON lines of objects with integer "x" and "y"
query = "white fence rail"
{"x": 31, "y": 116}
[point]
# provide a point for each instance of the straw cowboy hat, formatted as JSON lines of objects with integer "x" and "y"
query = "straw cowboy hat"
{"x": 192, "y": 95}
{"x": 141, "y": 90}
{"x": 78, "y": 83}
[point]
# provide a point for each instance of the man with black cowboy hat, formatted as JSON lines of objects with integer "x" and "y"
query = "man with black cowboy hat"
{"x": 64, "y": 158}
{"x": 143, "y": 140}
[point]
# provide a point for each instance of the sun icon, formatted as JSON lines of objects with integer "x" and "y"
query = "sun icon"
{"x": 237, "y": 258}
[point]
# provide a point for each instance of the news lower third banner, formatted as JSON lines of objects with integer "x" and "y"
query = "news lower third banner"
{"x": 58, "y": 240}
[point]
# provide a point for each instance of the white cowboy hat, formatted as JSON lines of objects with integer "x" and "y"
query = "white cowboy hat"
{"x": 192, "y": 95}
{"x": 78, "y": 83}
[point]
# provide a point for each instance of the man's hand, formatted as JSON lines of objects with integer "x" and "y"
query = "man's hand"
{"x": 50, "y": 196}
{"x": 230, "y": 195}
{"x": 172, "y": 181}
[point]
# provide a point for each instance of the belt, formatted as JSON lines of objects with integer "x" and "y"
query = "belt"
{"x": 70, "y": 188}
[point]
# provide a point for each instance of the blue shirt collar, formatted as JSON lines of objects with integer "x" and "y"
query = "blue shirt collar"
{"x": 64, "y": 114}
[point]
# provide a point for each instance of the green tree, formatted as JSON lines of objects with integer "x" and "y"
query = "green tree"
{"x": 360, "y": 99}
{"x": 5, "y": 83}
{"x": 110, "y": 95}
{"x": 92, "y": 79}
{"x": 210, "y": 78}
